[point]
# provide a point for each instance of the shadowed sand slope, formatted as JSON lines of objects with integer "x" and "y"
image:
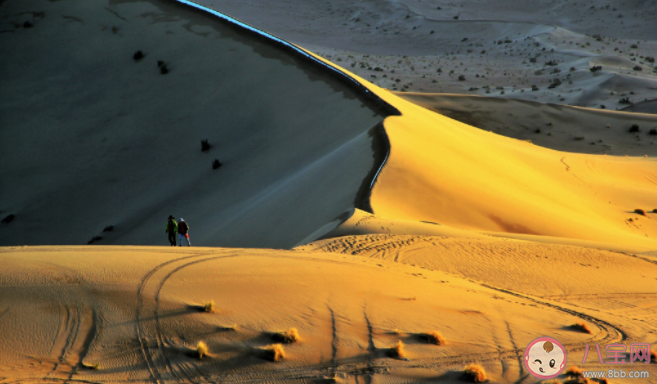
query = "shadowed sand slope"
{"x": 92, "y": 138}
{"x": 116, "y": 314}
{"x": 560, "y": 127}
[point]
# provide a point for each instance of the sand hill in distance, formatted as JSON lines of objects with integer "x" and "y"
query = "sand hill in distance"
{"x": 354, "y": 233}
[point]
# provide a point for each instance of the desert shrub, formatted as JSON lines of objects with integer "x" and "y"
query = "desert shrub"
{"x": 397, "y": 351}
{"x": 634, "y": 46}
{"x": 637, "y": 68}
{"x": 580, "y": 138}
{"x": 201, "y": 350}
{"x": 573, "y": 371}
{"x": 216, "y": 164}
{"x": 634, "y": 128}
{"x": 624, "y": 100}
{"x": 572, "y": 69}
{"x": 205, "y": 145}
{"x": 474, "y": 373}
{"x": 640, "y": 212}
{"x": 461, "y": 78}
{"x": 8, "y": 219}
{"x": 650, "y": 59}
{"x": 581, "y": 327}
{"x": 534, "y": 88}
{"x": 164, "y": 69}
{"x": 138, "y": 55}
{"x": 208, "y": 306}
{"x": 94, "y": 239}
{"x": 456, "y": 17}
{"x": 555, "y": 83}
{"x": 602, "y": 106}
{"x": 433, "y": 337}
{"x": 595, "y": 68}
{"x": 551, "y": 63}
{"x": 287, "y": 337}
{"x": 273, "y": 352}
{"x": 653, "y": 131}
{"x": 27, "y": 24}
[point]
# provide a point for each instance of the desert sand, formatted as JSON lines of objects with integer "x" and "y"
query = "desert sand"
{"x": 421, "y": 232}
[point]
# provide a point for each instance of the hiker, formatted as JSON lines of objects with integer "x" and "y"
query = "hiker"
{"x": 172, "y": 229}
{"x": 183, "y": 229}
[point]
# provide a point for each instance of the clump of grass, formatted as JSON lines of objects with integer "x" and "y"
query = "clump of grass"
{"x": 94, "y": 239}
{"x": 573, "y": 371}
{"x": 205, "y": 145}
{"x": 201, "y": 350}
{"x": 433, "y": 337}
{"x": 216, "y": 164}
{"x": 138, "y": 55}
{"x": 109, "y": 228}
{"x": 95, "y": 366}
{"x": 640, "y": 212}
{"x": 288, "y": 337}
{"x": 581, "y": 327}
{"x": 474, "y": 373}
{"x": 634, "y": 128}
{"x": 653, "y": 131}
{"x": 273, "y": 352}
{"x": 397, "y": 351}
{"x": 208, "y": 306}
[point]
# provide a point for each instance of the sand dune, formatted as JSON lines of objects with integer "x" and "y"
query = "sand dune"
{"x": 559, "y": 127}
{"x": 109, "y": 314}
{"x": 501, "y": 51}
{"x": 95, "y": 139}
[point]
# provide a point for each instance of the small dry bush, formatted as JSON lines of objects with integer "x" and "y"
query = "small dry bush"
{"x": 640, "y": 212}
{"x": 208, "y": 306}
{"x": 474, "y": 373}
{"x": 581, "y": 327}
{"x": 573, "y": 371}
{"x": 398, "y": 351}
{"x": 434, "y": 337}
{"x": 287, "y": 337}
{"x": 273, "y": 352}
{"x": 201, "y": 350}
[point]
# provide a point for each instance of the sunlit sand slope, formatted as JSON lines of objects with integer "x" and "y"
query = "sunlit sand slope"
{"x": 92, "y": 138}
{"x": 117, "y": 314}
{"x": 444, "y": 171}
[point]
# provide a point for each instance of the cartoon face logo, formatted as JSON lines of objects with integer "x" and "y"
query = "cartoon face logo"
{"x": 545, "y": 358}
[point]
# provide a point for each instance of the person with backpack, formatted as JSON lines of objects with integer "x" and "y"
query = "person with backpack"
{"x": 171, "y": 230}
{"x": 183, "y": 231}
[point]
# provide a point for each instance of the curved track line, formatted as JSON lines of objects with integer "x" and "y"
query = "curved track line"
{"x": 145, "y": 349}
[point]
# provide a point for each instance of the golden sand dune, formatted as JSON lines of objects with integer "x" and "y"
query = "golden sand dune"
{"x": 108, "y": 314}
{"x": 447, "y": 172}
{"x": 476, "y": 244}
